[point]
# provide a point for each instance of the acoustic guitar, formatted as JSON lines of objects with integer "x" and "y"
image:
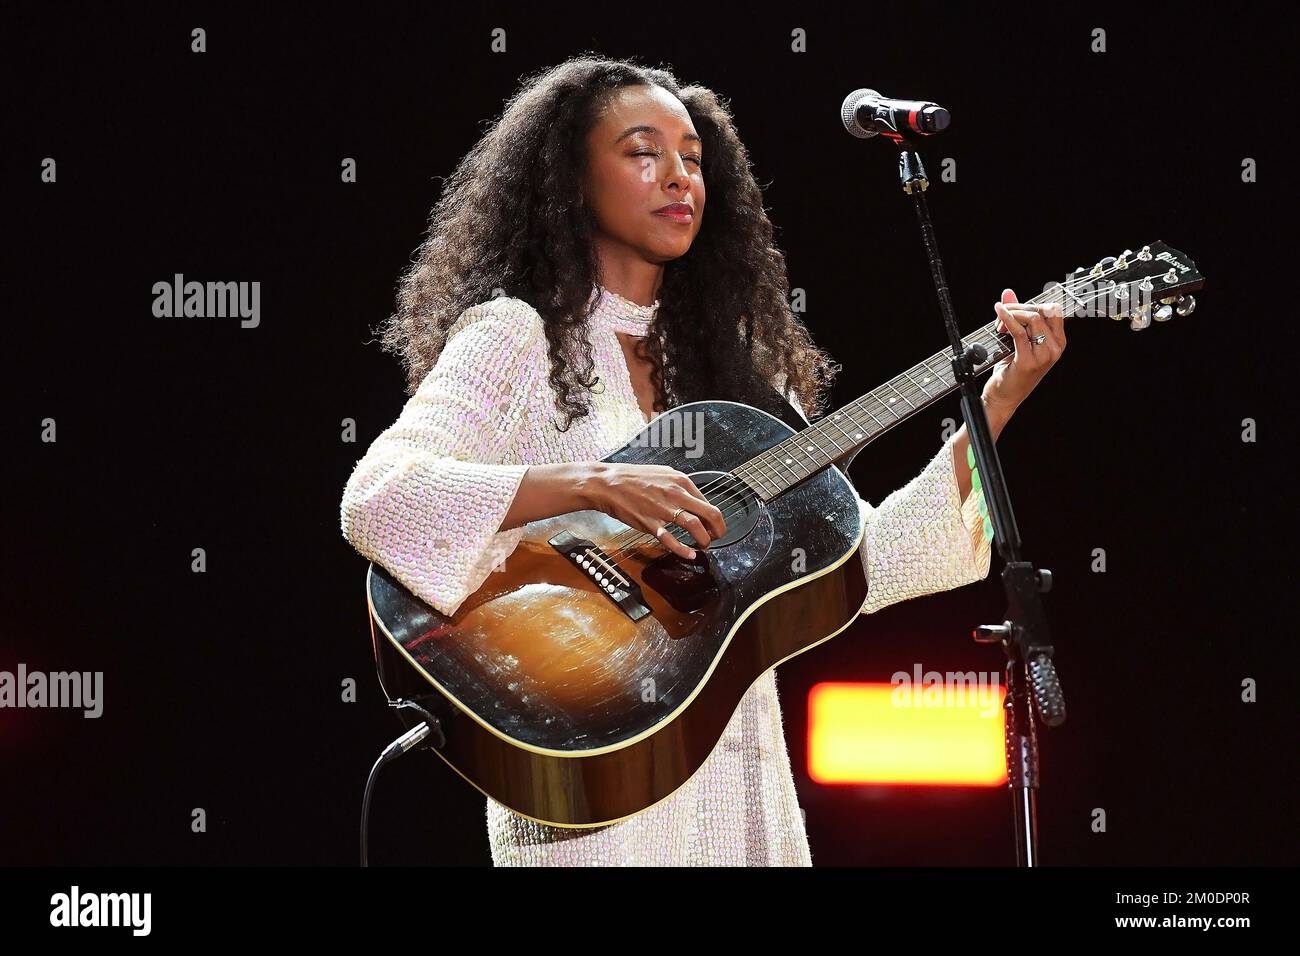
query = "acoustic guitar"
{"x": 594, "y": 671}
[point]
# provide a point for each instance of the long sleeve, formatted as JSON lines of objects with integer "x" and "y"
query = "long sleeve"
{"x": 428, "y": 497}
{"x": 921, "y": 539}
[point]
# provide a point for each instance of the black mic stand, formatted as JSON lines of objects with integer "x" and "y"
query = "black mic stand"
{"x": 1029, "y": 673}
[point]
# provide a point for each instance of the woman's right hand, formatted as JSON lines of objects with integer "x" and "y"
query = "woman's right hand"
{"x": 645, "y": 497}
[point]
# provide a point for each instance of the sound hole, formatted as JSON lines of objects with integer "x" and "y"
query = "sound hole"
{"x": 739, "y": 505}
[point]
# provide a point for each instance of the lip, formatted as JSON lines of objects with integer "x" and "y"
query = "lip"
{"x": 676, "y": 211}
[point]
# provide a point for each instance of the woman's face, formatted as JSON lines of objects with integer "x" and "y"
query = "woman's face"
{"x": 644, "y": 154}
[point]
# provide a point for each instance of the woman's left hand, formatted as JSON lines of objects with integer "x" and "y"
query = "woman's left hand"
{"x": 1015, "y": 376}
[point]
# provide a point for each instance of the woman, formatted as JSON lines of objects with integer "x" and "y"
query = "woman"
{"x": 567, "y": 292}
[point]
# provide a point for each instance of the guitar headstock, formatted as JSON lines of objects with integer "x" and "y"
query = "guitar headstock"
{"x": 1152, "y": 283}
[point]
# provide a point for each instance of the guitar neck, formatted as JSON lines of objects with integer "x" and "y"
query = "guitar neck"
{"x": 847, "y": 430}
{"x": 1151, "y": 284}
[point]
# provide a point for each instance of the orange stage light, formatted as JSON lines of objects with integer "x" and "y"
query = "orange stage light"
{"x": 872, "y": 733}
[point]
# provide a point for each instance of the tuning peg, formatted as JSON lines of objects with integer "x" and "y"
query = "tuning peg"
{"x": 1185, "y": 305}
{"x": 1141, "y": 318}
{"x": 1163, "y": 313}
{"x": 1103, "y": 266}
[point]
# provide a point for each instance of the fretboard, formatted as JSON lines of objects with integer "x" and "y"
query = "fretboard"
{"x": 846, "y": 430}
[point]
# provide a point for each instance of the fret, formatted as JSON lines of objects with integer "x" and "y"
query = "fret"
{"x": 862, "y": 430}
{"x": 805, "y": 451}
{"x": 756, "y": 466}
{"x": 911, "y": 381}
{"x": 832, "y": 419}
{"x": 838, "y": 448}
{"x": 785, "y": 465}
{"x": 780, "y": 481}
{"x": 755, "y": 479}
{"x": 945, "y": 369}
{"x": 870, "y": 412}
{"x": 890, "y": 383}
{"x": 786, "y": 461}
{"x": 813, "y": 431}
{"x": 774, "y": 474}
{"x": 930, "y": 376}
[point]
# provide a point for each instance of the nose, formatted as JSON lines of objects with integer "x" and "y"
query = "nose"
{"x": 678, "y": 175}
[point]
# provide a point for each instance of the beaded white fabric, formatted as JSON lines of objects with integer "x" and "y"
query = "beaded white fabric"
{"x": 426, "y": 502}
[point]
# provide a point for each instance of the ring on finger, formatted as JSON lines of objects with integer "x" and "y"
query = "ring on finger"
{"x": 1035, "y": 339}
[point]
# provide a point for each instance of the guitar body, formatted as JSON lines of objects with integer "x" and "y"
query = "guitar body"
{"x": 577, "y": 703}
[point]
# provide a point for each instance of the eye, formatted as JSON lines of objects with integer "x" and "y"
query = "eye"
{"x": 698, "y": 161}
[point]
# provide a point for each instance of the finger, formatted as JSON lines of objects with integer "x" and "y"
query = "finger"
{"x": 1051, "y": 314}
{"x": 1021, "y": 336}
{"x": 1052, "y": 329}
{"x": 695, "y": 526}
{"x": 1051, "y": 320}
{"x": 1007, "y": 298}
{"x": 1020, "y": 311}
{"x": 1022, "y": 314}
{"x": 1040, "y": 351}
{"x": 1037, "y": 307}
{"x": 1056, "y": 322}
{"x": 701, "y": 506}
{"x": 671, "y": 543}
{"x": 687, "y": 518}
{"x": 1011, "y": 323}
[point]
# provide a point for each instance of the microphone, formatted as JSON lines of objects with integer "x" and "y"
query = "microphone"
{"x": 866, "y": 113}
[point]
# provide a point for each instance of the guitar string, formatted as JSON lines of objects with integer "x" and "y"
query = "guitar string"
{"x": 624, "y": 542}
{"x": 1000, "y": 339}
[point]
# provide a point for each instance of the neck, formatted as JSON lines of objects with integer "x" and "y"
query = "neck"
{"x": 847, "y": 430}
{"x": 634, "y": 279}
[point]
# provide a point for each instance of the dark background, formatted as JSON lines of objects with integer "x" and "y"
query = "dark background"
{"x": 222, "y": 690}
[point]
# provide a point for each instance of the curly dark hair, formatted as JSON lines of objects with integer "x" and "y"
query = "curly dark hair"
{"x": 508, "y": 223}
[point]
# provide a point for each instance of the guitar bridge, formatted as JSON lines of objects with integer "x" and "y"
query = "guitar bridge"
{"x": 603, "y": 571}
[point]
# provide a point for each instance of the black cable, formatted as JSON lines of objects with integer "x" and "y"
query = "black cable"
{"x": 417, "y": 736}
